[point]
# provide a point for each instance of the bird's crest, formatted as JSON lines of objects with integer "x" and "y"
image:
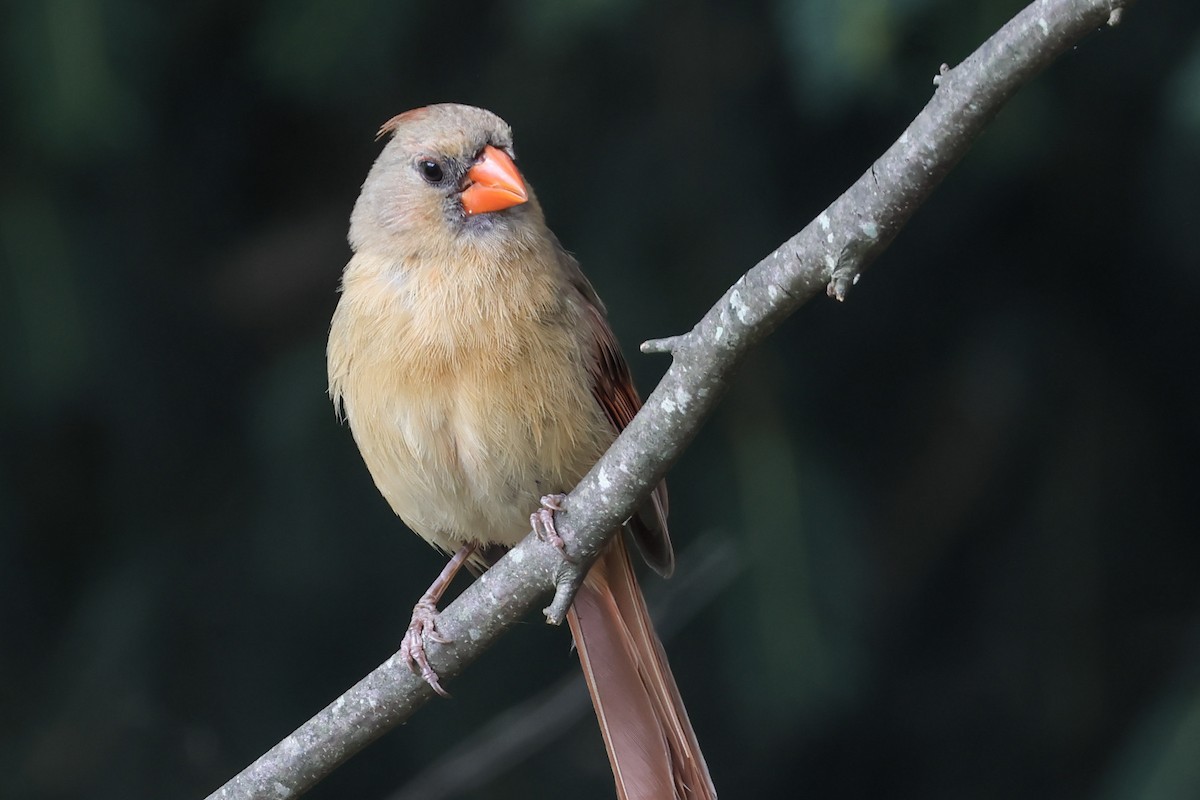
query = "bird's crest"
{"x": 393, "y": 123}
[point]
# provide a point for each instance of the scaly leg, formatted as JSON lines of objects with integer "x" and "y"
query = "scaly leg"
{"x": 542, "y": 522}
{"x": 424, "y": 621}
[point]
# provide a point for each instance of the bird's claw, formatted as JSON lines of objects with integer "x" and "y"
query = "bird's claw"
{"x": 422, "y": 627}
{"x": 542, "y": 522}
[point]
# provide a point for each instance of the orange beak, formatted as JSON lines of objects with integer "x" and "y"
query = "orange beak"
{"x": 496, "y": 183}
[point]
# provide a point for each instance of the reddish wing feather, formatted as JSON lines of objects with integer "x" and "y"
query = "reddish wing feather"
{"x": 612, "y": 385}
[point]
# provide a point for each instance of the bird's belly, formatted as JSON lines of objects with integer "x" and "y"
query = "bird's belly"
{"x": 465, "y": 458}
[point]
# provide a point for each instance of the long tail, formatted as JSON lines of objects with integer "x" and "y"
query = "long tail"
{"x": 651, "y": 744}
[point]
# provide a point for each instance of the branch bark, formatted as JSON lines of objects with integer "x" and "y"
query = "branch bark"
{"x": 828, "y": 254}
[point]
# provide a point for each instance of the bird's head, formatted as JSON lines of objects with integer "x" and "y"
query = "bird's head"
{"x": 446, "y": 177}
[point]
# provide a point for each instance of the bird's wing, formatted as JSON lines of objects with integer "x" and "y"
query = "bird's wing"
{"x": 613, "y": 389}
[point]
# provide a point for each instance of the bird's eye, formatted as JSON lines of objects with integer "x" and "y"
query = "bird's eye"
{"x": 431, "y": 170}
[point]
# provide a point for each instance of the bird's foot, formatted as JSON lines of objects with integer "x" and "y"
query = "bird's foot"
{"x": 542, "y": 522}
{"x": 570, "y": 575}
{"x": 412, "y": 649}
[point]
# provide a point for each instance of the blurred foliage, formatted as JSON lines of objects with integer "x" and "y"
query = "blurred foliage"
{"x": 964, "y": 498}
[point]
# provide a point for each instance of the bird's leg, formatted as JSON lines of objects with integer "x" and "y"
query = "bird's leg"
{"x": 424, "y": 621}
{"x": 570, "y": 576}
{"x": 542, "y": 522}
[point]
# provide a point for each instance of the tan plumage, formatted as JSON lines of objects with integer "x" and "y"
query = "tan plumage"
{"x": 477, "y": 371}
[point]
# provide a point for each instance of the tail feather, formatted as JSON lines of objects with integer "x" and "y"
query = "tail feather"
{"x": 650, "y": 741}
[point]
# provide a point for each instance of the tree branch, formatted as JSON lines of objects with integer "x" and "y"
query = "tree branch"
{"x": 703, "y": 572}
{"x": 829, "y": 253}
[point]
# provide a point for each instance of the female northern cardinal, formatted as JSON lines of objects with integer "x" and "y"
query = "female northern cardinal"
{"x": 480, "y": 377}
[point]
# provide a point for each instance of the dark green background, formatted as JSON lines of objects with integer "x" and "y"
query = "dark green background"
{"x": 964, "y": 502}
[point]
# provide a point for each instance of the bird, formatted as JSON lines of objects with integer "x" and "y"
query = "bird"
{"x": 480, "y": 378}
